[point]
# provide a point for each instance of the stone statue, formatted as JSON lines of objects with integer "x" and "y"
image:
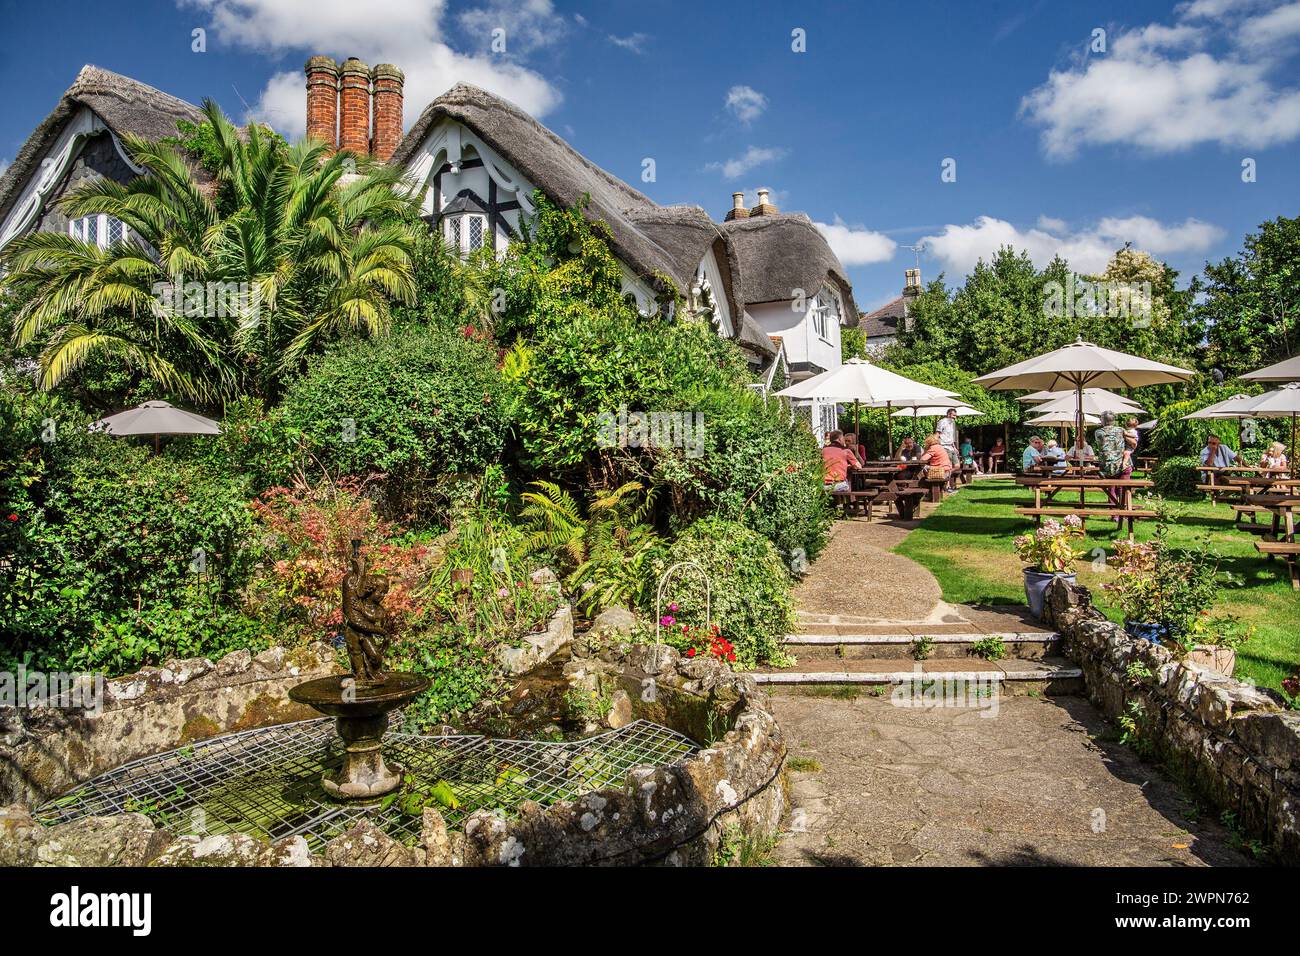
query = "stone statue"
{"x": 365, "y": 625}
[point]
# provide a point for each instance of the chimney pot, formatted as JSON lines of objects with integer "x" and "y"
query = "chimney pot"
{"x": 912, "y": 282}
{"x": 764, "y": 206}
{"x": 738, "y": 210}
{"x": 354, "y": 107}
{"x": 322, "y": 99}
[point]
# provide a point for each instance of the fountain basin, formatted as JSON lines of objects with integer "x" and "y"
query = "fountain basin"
{"x": 360, "y": 712}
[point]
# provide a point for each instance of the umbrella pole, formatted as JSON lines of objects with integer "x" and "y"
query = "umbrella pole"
{"x": 889, "y": 431}
{"x": 155, "y": 444}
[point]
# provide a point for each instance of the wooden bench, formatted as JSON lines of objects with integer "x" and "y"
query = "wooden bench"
{"x": 1289, "y": 550}
{"x": 1253, "y": 526}
{"x": 1231, "y": 492}
{"x": 855, "y": 502}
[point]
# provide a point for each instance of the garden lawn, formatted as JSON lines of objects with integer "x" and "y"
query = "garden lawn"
{"x": 967, "y": 544}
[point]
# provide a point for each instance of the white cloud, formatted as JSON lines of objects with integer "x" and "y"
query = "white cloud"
{"x": 746, "y": 103}
{"x": 857, "y": 245}
{"x": 751, "y": 158}
{"x": 959, "y": 247}
{"x": 408, "y": 33}
{"x": 633, "y": 41}
{"x": 1213, "y": 76}
{"x": 529, "y": 24}
{"x": 1273, "y": 29}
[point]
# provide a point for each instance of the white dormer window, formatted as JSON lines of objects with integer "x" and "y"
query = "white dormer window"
{"x": 826, "y": 313}
{"x": 99, "y": 230}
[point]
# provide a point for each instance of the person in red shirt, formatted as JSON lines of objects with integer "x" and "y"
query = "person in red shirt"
{"x": 838, "y": 460}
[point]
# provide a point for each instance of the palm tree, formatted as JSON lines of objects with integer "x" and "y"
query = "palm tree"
{"x": 215, "y": 298}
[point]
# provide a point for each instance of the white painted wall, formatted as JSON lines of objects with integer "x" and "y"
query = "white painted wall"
{"x": 803, "y": 344}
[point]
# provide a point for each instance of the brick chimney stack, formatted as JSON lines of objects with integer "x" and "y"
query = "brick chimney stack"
{"x": 764, "y": 206}
{"x": 322, "y": 99}
{"x": 388, "y": 81}
{"x": 737, "y": 210}
{"x": 911, "y": 283}
{"x": 354, "y": 107}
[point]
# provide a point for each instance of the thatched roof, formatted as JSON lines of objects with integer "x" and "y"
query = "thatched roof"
{"x": 652, "y": 240}
{"x": 783, "y": 252}
{"x": 125, "y": 105}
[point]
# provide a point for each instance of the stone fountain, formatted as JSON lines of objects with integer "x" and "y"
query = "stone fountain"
{"x": 361, "y": 701}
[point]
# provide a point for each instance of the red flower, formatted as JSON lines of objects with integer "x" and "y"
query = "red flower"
{"x": 13, "y": 517}
{"x": 690, "y": 652}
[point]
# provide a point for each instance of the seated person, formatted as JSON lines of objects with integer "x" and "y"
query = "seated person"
{"x": 1053, "y": 454}
{"x": 1216, "y": 454}
{"x": 852, "y": 444}
{"x": 1274, "y": 457}
{"x": 1033, "y": 456}
{"x": 994, "y": 457}
{"x": 1080, "y": 451}
{"x": 908, "y": 451}
{"x": 934, "y": 455}
{"x": 837, "y": 460}
{"x": 968, "y": 456}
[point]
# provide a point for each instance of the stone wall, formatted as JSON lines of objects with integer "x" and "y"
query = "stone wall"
{"x": 659, "y": 815}
{"x": 44, "y": 752}
{"x": 1236, "y": 745}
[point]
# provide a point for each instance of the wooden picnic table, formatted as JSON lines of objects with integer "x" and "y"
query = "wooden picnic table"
{"x": 1119, "y": 513}
{"x": 895, "y": 482}
{"x": 1282, "y": 541}
{"x": 1215, "y": 488}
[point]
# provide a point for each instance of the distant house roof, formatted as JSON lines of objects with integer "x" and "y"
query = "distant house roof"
{"x": 125, "y": 105}
{"x": 885, "y": 320}
{"x": 779, "y": 253}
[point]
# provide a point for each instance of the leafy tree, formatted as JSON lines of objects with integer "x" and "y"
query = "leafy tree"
{"x": 1252, "y": 300}
{"x": 300, "y": 254}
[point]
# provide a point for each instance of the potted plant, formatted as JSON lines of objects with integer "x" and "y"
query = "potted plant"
{"x": 1164, "y": 592}
{"x": 1214, "y": 642}
{"x": 1051, "y": 554}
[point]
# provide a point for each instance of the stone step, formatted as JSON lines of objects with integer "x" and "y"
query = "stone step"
{"x": 896, "y": 645}
{"x": 1010, "y": 676}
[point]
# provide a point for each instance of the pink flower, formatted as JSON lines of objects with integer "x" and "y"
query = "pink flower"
{"x": 502, "y": 592}
{"x": 667, "y": 621}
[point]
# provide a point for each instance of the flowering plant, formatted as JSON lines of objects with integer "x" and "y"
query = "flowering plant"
{"x": 1291, "y": 687}
{"x": 1050, "y": 548}
{"x": 700, "y": 641}
{"x": 1173, "y": 589}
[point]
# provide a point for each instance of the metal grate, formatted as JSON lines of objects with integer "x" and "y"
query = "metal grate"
{"x": 266, "y": 782}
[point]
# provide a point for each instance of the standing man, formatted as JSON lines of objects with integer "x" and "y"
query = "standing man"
{"x": 837, "y": 460}
{"x": 947, "y": 432}
{"x": 1112, "y": 454}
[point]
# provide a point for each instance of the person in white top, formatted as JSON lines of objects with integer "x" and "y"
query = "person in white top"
{"x": 1080, "y": 450}
{"x": 946, "y": 429}
{"x": 1275, "y": 457}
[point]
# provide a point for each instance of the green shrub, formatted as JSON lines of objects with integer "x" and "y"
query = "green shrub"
{"x": 123, "y": 558}
{"x": 756, "y": 467}
{"x": 418, "y": 405}
{"x": 1177, "y": 477}
{"x": 749, "y": 587}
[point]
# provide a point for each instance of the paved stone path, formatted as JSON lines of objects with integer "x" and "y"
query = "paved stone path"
{"x": 1039, "y": 782}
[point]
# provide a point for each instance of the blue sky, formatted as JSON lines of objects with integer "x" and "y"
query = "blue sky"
{"x": 1058, "y": 147}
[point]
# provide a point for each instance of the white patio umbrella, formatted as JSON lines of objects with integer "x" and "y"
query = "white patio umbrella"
{"x": 1081, "y": 365}
{"x": 926, "y": 411}
{"x": 157, "y": 418}
{"x": 1091, "y": 404}
{"x": 1238, "y": 407}
{"x": 1283, "y": 402}
{"x": 1098, "y": 394}
{"x": 1285, "y": 371}
{"x": 1062, "y": 420}
{"x": 864, "y": 383}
